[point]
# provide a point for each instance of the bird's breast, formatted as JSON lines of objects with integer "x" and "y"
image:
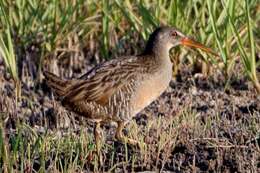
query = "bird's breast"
{"x": 150, "y": 88}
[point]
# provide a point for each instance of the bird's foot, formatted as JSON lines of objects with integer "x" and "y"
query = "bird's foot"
{"x": 126, "y": 140}
{"x": 122, "y": 138}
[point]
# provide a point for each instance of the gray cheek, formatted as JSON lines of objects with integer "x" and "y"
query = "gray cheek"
{"x": 161, "y": 36}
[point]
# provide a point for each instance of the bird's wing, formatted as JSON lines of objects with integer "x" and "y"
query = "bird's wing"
{"x": 102, "y": 82}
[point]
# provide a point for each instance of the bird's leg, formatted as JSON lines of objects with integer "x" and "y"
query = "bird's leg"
{"x": 98, "y": 131}
{"x": 121, "y": 137}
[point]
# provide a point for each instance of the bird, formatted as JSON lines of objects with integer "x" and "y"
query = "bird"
{"x": 118, "y": 89}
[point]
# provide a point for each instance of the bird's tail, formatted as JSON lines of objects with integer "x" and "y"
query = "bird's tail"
{"x": 56, "y": 83}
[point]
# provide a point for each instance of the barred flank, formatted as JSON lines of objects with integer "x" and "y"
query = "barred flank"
{"x": 56, "y": 83}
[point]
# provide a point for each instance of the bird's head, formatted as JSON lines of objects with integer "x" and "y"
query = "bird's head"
{"x": 168, "y": 37}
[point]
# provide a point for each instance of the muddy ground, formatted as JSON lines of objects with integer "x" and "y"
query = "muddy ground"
{"x": 229, "y": 112}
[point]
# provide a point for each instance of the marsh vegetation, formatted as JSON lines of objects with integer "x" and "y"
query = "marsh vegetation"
{"x": 208, "y": 120}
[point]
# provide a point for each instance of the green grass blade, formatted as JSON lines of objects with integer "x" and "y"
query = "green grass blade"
{"x": 251, "y": 40}
{"x": 7, "y": 52}
{"x": 216, "y": 34}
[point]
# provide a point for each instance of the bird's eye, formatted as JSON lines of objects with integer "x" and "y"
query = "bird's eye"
{"x": 174, "y": 34}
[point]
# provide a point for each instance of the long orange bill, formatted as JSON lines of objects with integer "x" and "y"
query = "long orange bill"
{"x": 188, "y": 42}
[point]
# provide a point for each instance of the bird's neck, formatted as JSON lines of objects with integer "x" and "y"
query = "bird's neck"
{"x": 160, "y": 53}
{"x": 157, "y": 59}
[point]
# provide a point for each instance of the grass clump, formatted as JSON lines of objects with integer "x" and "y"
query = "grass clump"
{"x": 185, "y": 138}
